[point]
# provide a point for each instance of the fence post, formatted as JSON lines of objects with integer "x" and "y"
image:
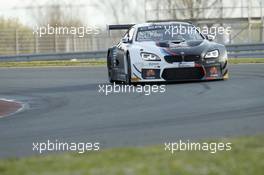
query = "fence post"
{"x": 16, "y": 44}
{"x": 36, "y": 43}
{"x": 55, "y": 42}
{"x": 262, "y": 22}
{"x": 74, "y": 43}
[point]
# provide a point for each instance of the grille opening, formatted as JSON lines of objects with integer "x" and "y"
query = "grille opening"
{"x": 174, "y": 74}
{"x": 180, "y": 58}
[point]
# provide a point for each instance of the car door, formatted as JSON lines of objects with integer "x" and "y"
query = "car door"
{"x": 122, "y": 50}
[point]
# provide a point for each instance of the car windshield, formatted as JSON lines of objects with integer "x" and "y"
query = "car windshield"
{"x": 172, "y": 32}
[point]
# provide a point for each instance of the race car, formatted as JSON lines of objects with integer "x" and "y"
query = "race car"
{"x": 164, "y": 52}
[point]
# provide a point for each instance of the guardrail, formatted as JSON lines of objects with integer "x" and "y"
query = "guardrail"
{"x": 234, "y": 51}
{"x": 255, "y": 50}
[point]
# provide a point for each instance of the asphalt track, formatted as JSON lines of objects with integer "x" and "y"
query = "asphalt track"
{"x": 64, "y": 104}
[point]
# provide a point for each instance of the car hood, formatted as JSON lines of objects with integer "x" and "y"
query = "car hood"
{"x": 193, "y": 47}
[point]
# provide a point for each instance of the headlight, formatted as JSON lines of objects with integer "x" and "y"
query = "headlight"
{"x": 212, "y": 54}
{"x": 149, "y": 57}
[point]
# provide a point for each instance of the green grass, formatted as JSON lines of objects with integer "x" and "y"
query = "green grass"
{"x": 94, "y": 62}
{"x": 245, "y": 60}
{"x": 56, "y": 63}
{"x": 245, "y": 158}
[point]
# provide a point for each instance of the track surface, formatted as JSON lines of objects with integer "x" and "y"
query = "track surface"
{"x": 64, "y": 104}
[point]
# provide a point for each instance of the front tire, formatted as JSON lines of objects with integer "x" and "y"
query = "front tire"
{"x": 225, "y": 70}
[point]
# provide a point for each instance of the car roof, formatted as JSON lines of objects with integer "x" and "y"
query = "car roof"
{"x": 160, "y": 23}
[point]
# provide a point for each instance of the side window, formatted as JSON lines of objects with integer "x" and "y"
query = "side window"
{"x": 131, "y": 33}
{"x": 126, "y": 35}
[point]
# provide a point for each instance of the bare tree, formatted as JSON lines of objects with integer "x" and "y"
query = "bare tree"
{"x": 185, "y": 9}
{"x": 56, "y": 13}
{"x": 118, "y": 10}
{"x": 12, "y": 31}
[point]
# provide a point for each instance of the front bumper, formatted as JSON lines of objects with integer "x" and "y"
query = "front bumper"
{"x": 179, "y": 71}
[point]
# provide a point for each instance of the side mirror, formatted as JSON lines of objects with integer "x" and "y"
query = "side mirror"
{"x": 125, "y": 40}
{"x": 210, "y": 37}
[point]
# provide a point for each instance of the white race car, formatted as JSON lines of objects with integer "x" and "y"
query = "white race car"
{"x": 165, "y": 51}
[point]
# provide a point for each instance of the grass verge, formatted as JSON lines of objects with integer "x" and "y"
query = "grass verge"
{"x": 56, "y": 63}
{"x": 100, "y": 62}
{"x": 246, "y": 157}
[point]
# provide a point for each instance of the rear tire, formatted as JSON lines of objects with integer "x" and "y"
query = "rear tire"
{"x": 128, "y": 75}
{"x": 109, "y": 68}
